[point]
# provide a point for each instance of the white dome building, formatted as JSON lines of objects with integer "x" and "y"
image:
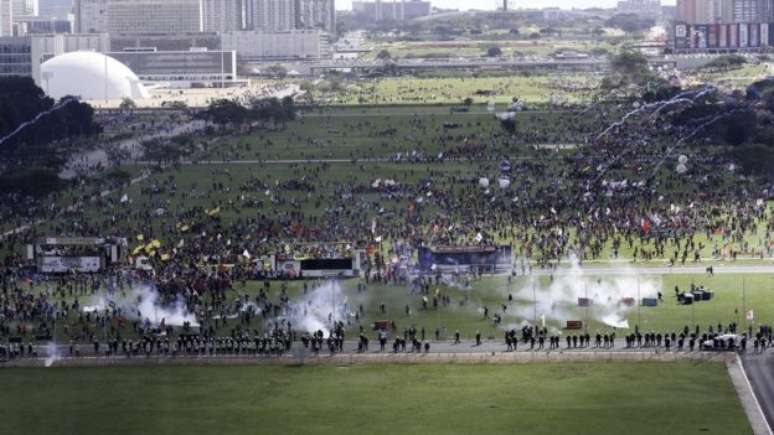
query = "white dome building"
{"x": 90, "y": 76}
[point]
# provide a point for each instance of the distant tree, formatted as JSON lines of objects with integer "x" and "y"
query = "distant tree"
{"x": 468, "y": 101}
{"x": 755, "y": 159}
{"x": 630, "y": 23}
{"x": 384, "y": 55}
{"x": 127, "y": 105}
{"x": 33, "y": 125}
{"x": 726, "y": 62}
{"x": 161, "y": 151}
{"x": 306, "y": 86}
{"x": 739, "y": 127}
{"x": 272, "y": 111}
{"x": 119, "y": 176}
{"x": 34, "y": 181}
{"x": 598, "y": 32}
{"x": 277, "y": 71}
{"x": 629, "y": 63}
{"x": 768, "y": 100}
{"x": 494, "y": 51}
{"x": 224, "y": 112}
{"x": 509, "y": 125}
{"x": 178, "y": 105}
{"x": 660, "y": 92}
{"x": 628, "y": 68}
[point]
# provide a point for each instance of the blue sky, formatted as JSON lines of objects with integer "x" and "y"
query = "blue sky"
{"x": 490, "y": 4}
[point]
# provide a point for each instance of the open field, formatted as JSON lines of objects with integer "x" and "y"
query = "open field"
{"x": 737, "y": 78}
{"x": 382, "y": 134}
{"x": 509, "y": 47}
{"x": 556, "y": 301}
{"x": 531, "y": 89}
{"x": 581, "y": 399}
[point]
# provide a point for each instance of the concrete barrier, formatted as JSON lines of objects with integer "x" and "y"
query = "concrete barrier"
{"x": 387, "y": 358}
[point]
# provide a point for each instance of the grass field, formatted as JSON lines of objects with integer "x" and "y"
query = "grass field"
{"x": 728, "y": 305}
{"x": 537, "y": 89}
{"x": 599, "y": 399}
{"x": 359, "y": 133}
{"x": 558, "y": 304}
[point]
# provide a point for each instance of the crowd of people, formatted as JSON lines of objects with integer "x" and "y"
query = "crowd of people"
{"x": 616, "y": 195}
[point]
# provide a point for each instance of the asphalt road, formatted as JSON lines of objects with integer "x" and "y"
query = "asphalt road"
{"x": 495, "y": 345}
{"x": 760, "y": 372}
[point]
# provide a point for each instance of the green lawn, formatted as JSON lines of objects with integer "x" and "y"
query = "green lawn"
{"x": 599, "y": 399}
{"x": 537, "y": 89}
{"x": 729, "y": 305}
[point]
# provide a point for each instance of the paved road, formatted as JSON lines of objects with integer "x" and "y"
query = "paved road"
{"x": 760, "y": 372}
{"x": 496, "y": 345}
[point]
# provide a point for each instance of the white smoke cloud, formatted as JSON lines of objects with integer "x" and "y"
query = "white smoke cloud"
{"x": 313, "y": 311}
{"x": 144, "y": 303}
{"x": 52, "y": 354}
{"x": 559, "y": 299}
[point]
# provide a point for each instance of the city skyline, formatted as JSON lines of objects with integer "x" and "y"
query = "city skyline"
{"x": 518, "y": 4}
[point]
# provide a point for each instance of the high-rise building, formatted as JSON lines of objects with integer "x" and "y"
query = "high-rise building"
{"x": 90, "y": 16}
{"x": 154, "y": 16}
{"x": 6, "y": 17}
{"x": 316, "y": 14}
{"x": 395, "y": 10}
{"x": 722, "y": 11}
{"x": 725, "y": 11}
{"x": 724, "y": 25}
{"x": 27, "y": 8}
{"x": 751, "y": 11}
{"x": 15, "y": 59}
{"x": 56, "y": 9}
{"x": 222, "y": 15}
{"x": 645, "y": 8}
{"x": 138, "y": 16}
{"x": 263, "y": 46}
{"x": 271, "y": 15}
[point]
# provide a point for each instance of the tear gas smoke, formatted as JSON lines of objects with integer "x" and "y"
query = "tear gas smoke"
{"x": 319, "y": 308}
{"x": 52, "y": 354}
{"x": 611, "y": 297}
{"x": 144, "y": 302}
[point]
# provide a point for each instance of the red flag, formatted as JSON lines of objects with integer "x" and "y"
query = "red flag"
{"x": 645, "y": 225}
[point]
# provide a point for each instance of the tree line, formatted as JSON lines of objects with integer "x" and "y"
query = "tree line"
{"x": 37, "y": 135}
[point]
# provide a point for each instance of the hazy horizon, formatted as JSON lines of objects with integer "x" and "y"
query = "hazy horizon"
{"x": 517, "y": 4}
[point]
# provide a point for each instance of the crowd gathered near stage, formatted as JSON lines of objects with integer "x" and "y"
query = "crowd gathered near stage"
{"x": 626, "y": 191}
